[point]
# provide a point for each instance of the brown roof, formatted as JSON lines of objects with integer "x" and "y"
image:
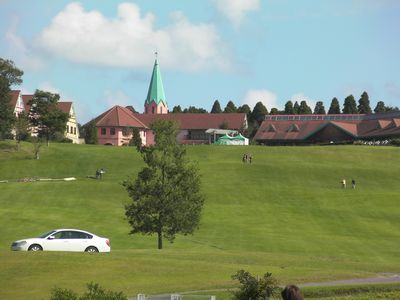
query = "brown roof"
{"x": 362, "y": 126}
{"x": 26, "y": 99}
{"x": 119, "y": 116}
{"x": 198, "y": 120}
{"x": 65, "y": 106}
{"x": 14, "y": 97}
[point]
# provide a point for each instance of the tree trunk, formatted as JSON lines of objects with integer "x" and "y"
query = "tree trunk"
{"x": 160, "y": 245}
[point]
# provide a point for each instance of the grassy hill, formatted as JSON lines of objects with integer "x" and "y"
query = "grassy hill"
{"x": 285, "y": 214}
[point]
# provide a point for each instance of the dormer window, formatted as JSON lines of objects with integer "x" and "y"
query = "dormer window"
{"x": 271, "y": 128}
{"x": 293, "y": 128}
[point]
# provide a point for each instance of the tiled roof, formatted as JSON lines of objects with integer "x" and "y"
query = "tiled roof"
{"x": 14, "y": 97}
{"x": 382, "y": 125}
{"x": 26, "y": 99}
{"x": 119, "y": 116}
{"x": 198, "y": 120}
{"x": 65, "y": 106}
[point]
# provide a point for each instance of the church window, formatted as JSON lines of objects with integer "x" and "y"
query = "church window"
{"x": 152, "y": 109}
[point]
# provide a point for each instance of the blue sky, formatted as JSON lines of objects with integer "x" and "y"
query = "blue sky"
{"x": 100, "y": 53}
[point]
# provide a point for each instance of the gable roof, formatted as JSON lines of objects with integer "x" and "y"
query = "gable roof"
{"x": 26, "y": 99}
{"x": 65, "y": 106}
{"x": 119, "y": 116}
{"x": 14, "y": 98}
{"x": 156, "y": 89}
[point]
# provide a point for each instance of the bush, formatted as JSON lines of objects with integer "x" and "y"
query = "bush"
{"x": 395, "y": 142}
{"x": 253, "y": 288}
{"x": 95, "y": 292}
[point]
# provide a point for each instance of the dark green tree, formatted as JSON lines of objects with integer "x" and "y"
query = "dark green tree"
{"x": 216, "y": 108}
{"x": 319, "y": 108}
{"x": 46, "y": 116}
{"x": 230, "y": 107}
{"x": 90, "y": 132}
{"x": 349, "y": 105}
{"x": 334, "y": 109}
{"x": 289, "y": 110}
{"x": 296, "y": 108}
{"x": 177, "y": 109}
{"x": 274, "y": 111}
{"x": 193, "y": 110}
{"x": 304, "y": 109}
{"x": 94, "y": 292}
{"x": 258, "y": 114}
{"x": 244, "y": 109}
{"x": 380, "y": 107}
{"x": 9, "y": 76}
{"x": 363, "y": 104}
{"x": 166, "y": 197}
{"x": 136, "y": 140}
{"x": 22, "y": 128}
{"x": 252, "y": 288}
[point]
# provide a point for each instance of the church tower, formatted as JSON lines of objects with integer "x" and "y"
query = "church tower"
{"x": 156, "y": 103}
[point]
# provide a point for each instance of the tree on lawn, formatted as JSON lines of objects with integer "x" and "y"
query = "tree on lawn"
{"x": 90, "y": 132}
{"x": 166, "y": 197}
{"x": 9, "y": 76}
{"x": 258, "y": 114}
{"x": 363, "y": 104}
{"x": 216, "y": 108}
{"x": 334, "y": 109}
{"x": 46, "y": 115}
{"x": 319, "y": 108}
{"x": 349, "y": 105}
{"x": 22, "y": 128}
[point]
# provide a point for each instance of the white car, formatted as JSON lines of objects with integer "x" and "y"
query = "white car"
{"x": 64, "y": 240}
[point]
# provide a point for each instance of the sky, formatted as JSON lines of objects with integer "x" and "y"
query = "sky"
{"x": 101, "y": 53}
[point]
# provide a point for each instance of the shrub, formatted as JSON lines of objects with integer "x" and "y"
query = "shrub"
{"x": 95, "y": 292}
{"x": 253, "y": 288}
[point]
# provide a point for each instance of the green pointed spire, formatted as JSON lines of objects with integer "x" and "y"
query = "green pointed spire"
{"x": 156, "y": 88}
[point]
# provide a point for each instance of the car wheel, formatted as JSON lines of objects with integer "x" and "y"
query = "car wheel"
{"x": 35, "y": 247}
{"x": 91, "y": 249}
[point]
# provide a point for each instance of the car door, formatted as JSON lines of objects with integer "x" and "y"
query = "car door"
{"x": 56, "y": 242}
{"x": 79, "y": 241}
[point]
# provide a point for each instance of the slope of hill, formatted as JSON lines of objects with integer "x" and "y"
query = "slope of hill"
{"x": 285, "y": 213}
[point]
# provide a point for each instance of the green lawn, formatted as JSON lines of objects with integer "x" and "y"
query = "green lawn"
{"x": 284, "y": 214}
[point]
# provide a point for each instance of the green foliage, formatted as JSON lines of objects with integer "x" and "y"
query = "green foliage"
{"x": 230, "y": 107}
{"x": 195, "y": 110}
{"x": 319, "y": 108}
{"x": 94, "y": 292}
{"x": 253, "y": 288}
{"x": 296, "y": 108}
{"x": 274, "y": 111}
{"x": 304, "y": 109}
{"x": 289, "y": 110}
{"x": 363, "y": 104}
{"x": 22, "y": 128}
{"x": 136, "y": 140}
{"x": 244, "y": 109}
{"x": 176, "y": 109}
{"x": 165, "y": 195}
{"x": 334, "y": 109}
{"x": 259, "y": 112}
{"x": 48, "y": 118}
{"x": 90, "y": 133}
{"x": 349, "y": 105}
{"x": 9, "y": 76}
{"x": 37, "y": 144}
{"x": 216, "y": 108}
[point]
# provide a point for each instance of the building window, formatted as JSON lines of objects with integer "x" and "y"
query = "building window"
{"x": 67, "y": 128}
{"x": 103, "y": 131}
{"x": 74, "y": 130}
{"x": 71, "y": 129}
{"x": 152, "y": 109}
{"x": 112, "y": 131}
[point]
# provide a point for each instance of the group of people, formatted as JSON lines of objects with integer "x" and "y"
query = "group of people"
{"x": 353, "y": 183}
{"x": 99, "y": 173}
{"x": 292, "y": 292}
{"x": 247, "y": 158}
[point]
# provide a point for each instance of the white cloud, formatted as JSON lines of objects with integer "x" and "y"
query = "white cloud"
{"x": 23, "y": 56}
{"x": 268, "y": 98}
{"x": 235, "y": 10}
{"x": 130, "y": 39}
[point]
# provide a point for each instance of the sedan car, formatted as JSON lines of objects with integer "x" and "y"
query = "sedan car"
{"x": 64, "y": 240}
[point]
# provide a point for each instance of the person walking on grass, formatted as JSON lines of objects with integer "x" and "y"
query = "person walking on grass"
{"x": 343, "y": 183}
{"x": 353, "y": 184}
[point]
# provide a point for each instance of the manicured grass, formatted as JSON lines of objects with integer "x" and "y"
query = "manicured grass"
{"x": 284, "y": 214}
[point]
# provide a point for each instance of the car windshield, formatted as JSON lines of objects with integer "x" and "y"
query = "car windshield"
{"x": 42, "y": 236}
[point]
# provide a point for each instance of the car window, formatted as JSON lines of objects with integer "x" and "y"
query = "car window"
{"x": 42, "y": 236}
{"x": 80, "y": 235}
{"x": 58, "y": 235}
